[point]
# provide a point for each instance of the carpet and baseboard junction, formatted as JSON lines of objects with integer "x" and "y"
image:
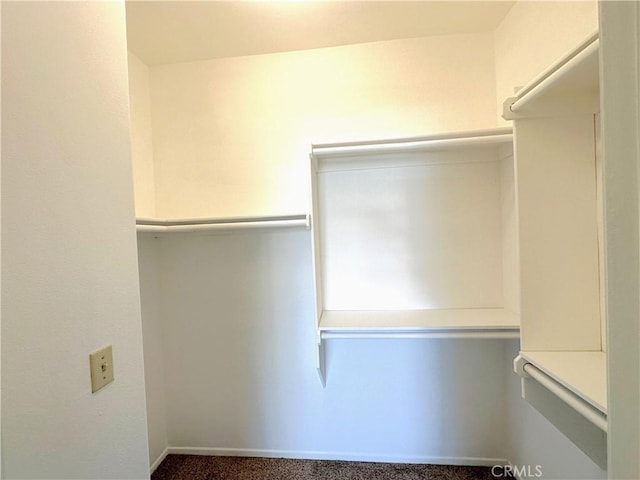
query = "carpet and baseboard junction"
{"x": 204, "y": 467}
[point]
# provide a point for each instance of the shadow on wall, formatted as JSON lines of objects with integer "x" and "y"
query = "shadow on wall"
{"x": 239, "y": 345}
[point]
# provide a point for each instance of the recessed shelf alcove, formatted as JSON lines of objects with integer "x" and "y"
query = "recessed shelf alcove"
{"x": 415, "y": 238}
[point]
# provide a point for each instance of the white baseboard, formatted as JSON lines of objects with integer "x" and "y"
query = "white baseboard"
{"x": 349, "y": 456}
{"x": 158, "y": 461}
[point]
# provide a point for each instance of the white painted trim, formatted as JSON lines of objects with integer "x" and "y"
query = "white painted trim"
{"x": 346, "y": 456}
{"x": 159, "y": 460}
{"x": 620, "y": 97}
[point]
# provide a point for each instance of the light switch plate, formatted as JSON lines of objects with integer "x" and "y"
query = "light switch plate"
{"x": 101, "y": 362}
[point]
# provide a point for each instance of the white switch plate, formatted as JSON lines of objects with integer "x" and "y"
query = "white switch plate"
{"x": 101, "y": 362}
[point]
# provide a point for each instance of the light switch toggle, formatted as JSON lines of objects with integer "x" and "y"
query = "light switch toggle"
{"x": 101, "y": 363}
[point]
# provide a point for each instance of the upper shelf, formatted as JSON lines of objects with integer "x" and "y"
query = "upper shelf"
{"x": 442, "y": 323}
{"x": 401, "y": 152}
{"x": 159, "y": 226}
{"x": 571, "y": 85}
{"x": 408, "y": 236}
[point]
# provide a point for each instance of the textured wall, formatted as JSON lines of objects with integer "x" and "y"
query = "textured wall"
{"x": 70, "y": 280}
{"x": 141, "y": 138}
{"x": 232, "y": 136}
{"x": 152, "y": 334}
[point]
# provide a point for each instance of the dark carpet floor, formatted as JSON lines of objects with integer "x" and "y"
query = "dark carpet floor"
{"x": 192, "y": 467}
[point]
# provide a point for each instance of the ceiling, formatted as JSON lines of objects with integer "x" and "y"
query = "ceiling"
{"x": 162, "y": 32}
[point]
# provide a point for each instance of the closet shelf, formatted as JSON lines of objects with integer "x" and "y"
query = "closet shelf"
{"x": 444, "y": 323}
{"x": 582, "y": 373}
{"x": 395, "y": 242}
{"x": 569, "y": 389}
{"x": 569, "y": 86}
{"x": 558, "y": 160}
{"x": 325, "y": 153}
{"x": 159, "y": 226}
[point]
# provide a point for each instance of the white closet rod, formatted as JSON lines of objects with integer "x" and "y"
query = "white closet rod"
{"x": 437, "y": 142}
{"x": 212, "y": 224}
{"x": 591, "y": 413}
{"x": 449, "y": 333}
{"x": 555, "y": 73}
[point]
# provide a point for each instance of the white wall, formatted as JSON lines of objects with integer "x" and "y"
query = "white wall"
{"x": 533, "y": 36}
{"x": 148, "y": 253}
{"x": 509, "y": 237}
{"x": 232, "y": 136}
{"x": 149, "y": 250}
{"x": 239, "y": 341}
{"x": 69, "y": 271}
{"x": 141, "y": 138}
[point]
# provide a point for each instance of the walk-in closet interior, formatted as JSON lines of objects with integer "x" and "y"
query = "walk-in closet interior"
{"x": 370, "y": 231}
{"x": 340, "y": 254}
{"x": 338, "y": 258}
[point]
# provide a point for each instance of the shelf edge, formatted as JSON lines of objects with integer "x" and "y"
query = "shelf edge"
{"x": 481, "y": 333}
{"x": 565, "y": 384}
{"x": 516, "y": 107}
{"x": 153, "y": 225}
{"x": 434, "y": 142}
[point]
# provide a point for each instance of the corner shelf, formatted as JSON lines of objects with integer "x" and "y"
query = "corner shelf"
{"x": 158, "y": 226}
{"x": 414, "y": 238}
{"x": 582, "y": 373}
{"x": 570, "y": 390}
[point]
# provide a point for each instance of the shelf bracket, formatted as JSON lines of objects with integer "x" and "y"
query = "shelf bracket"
{"x": 507, "y": 113}
{"x": 518, "y": 366}
{"x": 321, "y": 362}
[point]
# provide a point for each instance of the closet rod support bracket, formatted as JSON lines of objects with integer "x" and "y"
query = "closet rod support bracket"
{"x": 518, "y": 366}
{"x": 507, "y": 112}
{"x": 321, "y": 361}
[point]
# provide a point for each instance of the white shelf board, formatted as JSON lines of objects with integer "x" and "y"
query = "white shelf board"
{"x": 185, "y": 225}
{"x": 469, "y": 323}
{"x": 569, "y": 86}
{"x": 583, "y": 373}
{"x": 431, "y": 143}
